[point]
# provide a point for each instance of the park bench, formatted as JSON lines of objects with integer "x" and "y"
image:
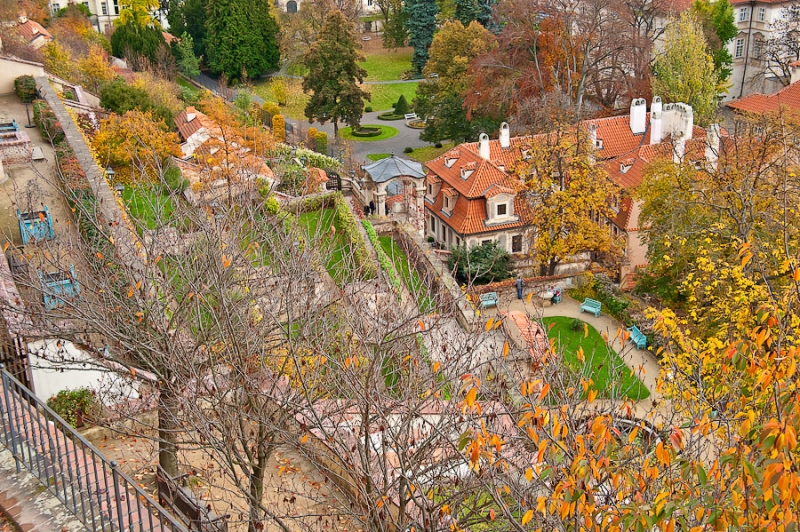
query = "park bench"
{"x": 173, "y": 493}
{"x": 410, "y": 116}
{"x": 35, "y": 226}
{"x": 6, "y": 126}
{"x": 58, "y": 287}
{"x": 638, "y": 337}
{"x": 489, "y": 299}
{"x": 592, "y": 306}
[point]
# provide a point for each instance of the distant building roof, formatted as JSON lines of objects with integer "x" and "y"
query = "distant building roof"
{"x": 769, "y": 103}
{"x": 390, "y": 167}
{"x": 31, "y": 30}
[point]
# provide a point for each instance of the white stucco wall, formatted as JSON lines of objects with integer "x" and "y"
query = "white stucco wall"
{"x": 11, "y": 69}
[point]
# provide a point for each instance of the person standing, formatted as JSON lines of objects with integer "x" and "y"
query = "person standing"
{"x": 519, "y": 284}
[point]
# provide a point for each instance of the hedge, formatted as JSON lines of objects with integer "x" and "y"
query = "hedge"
{"x": 48, "y": 124}
{"x": 383, "y": 258}
{"x": 321, "y": 144}
{"x": 279, "y": 127}
{"x": 366, "y": 132}
{"x": 317, "y": 160}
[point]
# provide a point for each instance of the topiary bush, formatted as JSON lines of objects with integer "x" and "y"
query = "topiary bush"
{"x": 311, "y": 138}
{"x": 408, "y": 149}
{"x": 390, "y": 116}
{"x": 366, "y": 132}
{"x": 368, "y": 109}
{"x": 482, "y": 264}
{"x": 279, "y": 128}
{"x": 321, "y": 144}
{"x": 269, "y": 109}
{"x": 71, "y": 405}
{"x": 401, "y": 107}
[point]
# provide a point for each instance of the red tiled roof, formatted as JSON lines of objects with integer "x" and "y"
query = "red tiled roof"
{"x": 187, "y": 128}
{"x": 788, "y": 97}
{"x": 168, "y": 37}
{"x": 30, "y": 30}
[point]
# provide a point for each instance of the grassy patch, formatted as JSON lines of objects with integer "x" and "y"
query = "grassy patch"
{"x": 297, "y": 99}
{"x": 387, "y": 65}
{"x": 408, "y": 273}
{"x": 385, "y": 96}
{"x": 602, "y": 364}
{"x": 428, "y": 153}
{"x": 387, "y": 133}
{"x": 149, "y": 207}
{"x": 378, "y": 156}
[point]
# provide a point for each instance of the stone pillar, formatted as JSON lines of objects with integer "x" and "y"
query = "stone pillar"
{"x": 380, "y": 203}
{"x": 420, "y": 189}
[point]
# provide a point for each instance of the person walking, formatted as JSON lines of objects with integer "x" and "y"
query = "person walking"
{"x": 519, "y": 284}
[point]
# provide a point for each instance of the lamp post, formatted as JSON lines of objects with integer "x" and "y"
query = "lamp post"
{"x": 110, "y": 173}
{"x": 28, "y": 114}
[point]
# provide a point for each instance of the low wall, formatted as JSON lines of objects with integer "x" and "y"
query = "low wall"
{"x": 442, "y": 285}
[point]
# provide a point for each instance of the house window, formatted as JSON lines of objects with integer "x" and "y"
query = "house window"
{"x": 116, "y": 7}
{"x": 458, "y": 241}
{"x": 56, "y": 7}
{"x": 744, "y": 14}
{"x": 369, "y": 2}
{"x": 446, "y": 202}
{"x": 430, "y": 190}
{"x": 486, "y": 242}
{"x": 502, "y": 209}
{"x": 761, "y": 14}
{"x": 104, "y": 8}
{"x": 739, "y": 49}
{"x": 516, "y": 244}
{"x": 433, "y": 224}
{"x": 86, "y": 4}
{"x": 758, "y": 48}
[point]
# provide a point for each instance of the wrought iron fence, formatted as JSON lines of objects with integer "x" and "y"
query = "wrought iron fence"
{"x": 89, "y": 485}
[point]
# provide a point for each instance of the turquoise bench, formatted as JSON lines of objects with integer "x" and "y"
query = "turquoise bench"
{"x": 489, "y": 299}
{"x": 592, "y": 306}
{"x": 638, "y": 337}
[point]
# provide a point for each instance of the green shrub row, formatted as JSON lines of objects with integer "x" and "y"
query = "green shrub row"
{"x": 383, "y": 258}
{"x": 344, "y": 218}
{"x": 317, "y": 160}
{"x": 390, "y": 116}
{"x": 25, "y": 87}
{"x": 616, "y": 307}
{"x": 48, "y": 124}
{"x": 366, "y": 132}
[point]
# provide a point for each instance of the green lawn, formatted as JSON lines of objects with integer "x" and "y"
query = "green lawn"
{"x": 385, "y": 96}
{"x": 602, "y": 364}
{"x": 409, "y": 274}
{"x": 428, "y": 153}
{"x": 388, "y": 132}
{"x": 335, "y": 250}
{"x": 387, "y": 65}
{"x": 297, "y": 99}
{"x": 378, "y": 156}
{"x": 149, "y": 207}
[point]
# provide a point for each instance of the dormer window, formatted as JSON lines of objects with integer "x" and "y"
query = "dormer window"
{"x": 526, "y": 154}
{"x": 466, "y": 173}
{"x": 598, "y": 144}
{"x": 626, "y": 165}
{"x": 502, "y": 209}
{"x": 450, "y": 161}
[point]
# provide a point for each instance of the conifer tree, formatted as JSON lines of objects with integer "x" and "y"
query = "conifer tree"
{"x": 421, "y": 25}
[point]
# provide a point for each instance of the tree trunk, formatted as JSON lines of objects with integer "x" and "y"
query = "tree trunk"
{"x": 551, "y": 267}
{"x": 168, "y": 406}
{"x": 256, "y": 494}
{"x": 336, "y": 129}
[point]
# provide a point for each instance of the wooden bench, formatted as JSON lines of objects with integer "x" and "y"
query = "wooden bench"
{"x": 489, "y": 299}
{"x": 638, "y": 337}
{"x": 410, "y": 116}
{"x": 184, "y": 503}
{"x": 59, "y": 287}
{"x": 592, "y": 306}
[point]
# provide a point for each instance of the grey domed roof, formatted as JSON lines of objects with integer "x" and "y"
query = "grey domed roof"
{"x": 388, "y": 168}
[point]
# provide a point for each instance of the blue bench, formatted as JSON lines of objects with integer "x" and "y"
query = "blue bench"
{"x": 59, "y": 287}
{"x": 592, "y": 306}
{"x": 489, "y": 299}
{"x": 638, "y": 337}
{"x": 35, "y": 226}
{"x": 7, "y": 127}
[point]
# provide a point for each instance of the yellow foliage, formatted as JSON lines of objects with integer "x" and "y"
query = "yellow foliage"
{"x": 279, "y": 128}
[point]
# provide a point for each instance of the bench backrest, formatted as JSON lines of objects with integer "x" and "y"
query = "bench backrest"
{"x": 589, "y": 302}
{"x": 410, "y": 116}
{"x": 182, "y": 500}
{"x": 489, "y": 296}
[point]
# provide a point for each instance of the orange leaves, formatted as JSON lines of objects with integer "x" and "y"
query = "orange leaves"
{"x": 472, "y": 395}
{"x": 527, "y": 517}
{"x": 505, "y": 349}
{"x": 226, "y": 261}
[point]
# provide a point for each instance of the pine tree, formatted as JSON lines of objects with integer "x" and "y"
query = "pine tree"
{"x": 469, "y": 10}
{"x": 334, "y": 74}
{"x": 421, "y": 25}
{"x": 242, "y": 38}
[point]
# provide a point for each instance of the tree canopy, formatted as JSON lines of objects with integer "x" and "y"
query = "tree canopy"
{"x": 421, "y": 24}
{"x": 684, "y": 70}
{"x": 719, "y": 29}
{"x": 242, "y": 40}
{"x": 334, "y": 74}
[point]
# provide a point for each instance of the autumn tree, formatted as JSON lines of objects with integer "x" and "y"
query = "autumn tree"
{"x": 137, "y": 141}
{"x": 684, "y": 70}
{"x": 567, "y": 191}
{"x": 782, "y": 46}
{"x": 242, "y": 38}
{"x": 334, "y": 75}
{"x": 95, "y": 69}
{"x": 439, "y": 98}
{"x": 719, "y": 29}
{"x": 394, "y": 23}
{"x": 58, "y": 61}
{"x": 300, "y": 30}
{"x": 421, "y": 24}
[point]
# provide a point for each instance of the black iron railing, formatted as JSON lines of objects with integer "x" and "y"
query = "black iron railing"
{"x": 90, "y": 486}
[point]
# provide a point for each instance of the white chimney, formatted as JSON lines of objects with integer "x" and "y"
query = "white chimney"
{"x": 638, "y": 116}
{"x": 505, "y": 136}
{"x": 23, "y": 18}
{"x": 712, "y": 144}
{"x": 687, "y": 120}
{"x": 483, "y": 146}
{"x": 190, "y": 117}
{"x": 593, "y": 135}
{"x": 656, "y": 126}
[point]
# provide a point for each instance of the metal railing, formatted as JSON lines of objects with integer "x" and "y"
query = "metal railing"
{"x": 89, "y": 485}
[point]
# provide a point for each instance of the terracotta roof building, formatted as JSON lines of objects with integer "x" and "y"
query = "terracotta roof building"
{"x": 32, "y": 32}
{"x": 472, "y": 197}
{"x": 787, "y": 98}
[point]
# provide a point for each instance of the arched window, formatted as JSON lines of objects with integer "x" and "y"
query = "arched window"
{"x": 291, "y": 6}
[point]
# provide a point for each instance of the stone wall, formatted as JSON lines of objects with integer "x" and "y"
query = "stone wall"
{"x": 15, "y": 147}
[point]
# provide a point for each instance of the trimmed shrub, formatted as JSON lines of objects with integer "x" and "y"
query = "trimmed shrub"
{"x": 25, "y": 87}
{"x": 383, "y": 258}
{"x": 368, "y": 109}
{"x": 401, "y": 107}
{"x": 68, "y": 404}
{"x": 366, "y": 132}
{"x": 48, "y": 124}
{"x": 482, "y": 264}
{"x": 438, "y": 144}
{"x": 321, "y": 143}
{"x": 279, "y": 127}
{"x": 311, "y": 138}
{"x": 270, "y": 109}
{"x": 408, "y": 149}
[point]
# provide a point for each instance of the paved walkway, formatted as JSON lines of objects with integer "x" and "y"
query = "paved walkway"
{"x": 642, "y": 362}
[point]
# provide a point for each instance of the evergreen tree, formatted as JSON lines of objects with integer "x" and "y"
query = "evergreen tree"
{"x": 421, "y": 25}
{"x": 334, "y": 74}
{"x": 189, "y": 17}
{"x": 187, "y": 61}
{"x": 130, "y": 40}
{"x": 242, "y": 38}
{"x": 469, "y": 10}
